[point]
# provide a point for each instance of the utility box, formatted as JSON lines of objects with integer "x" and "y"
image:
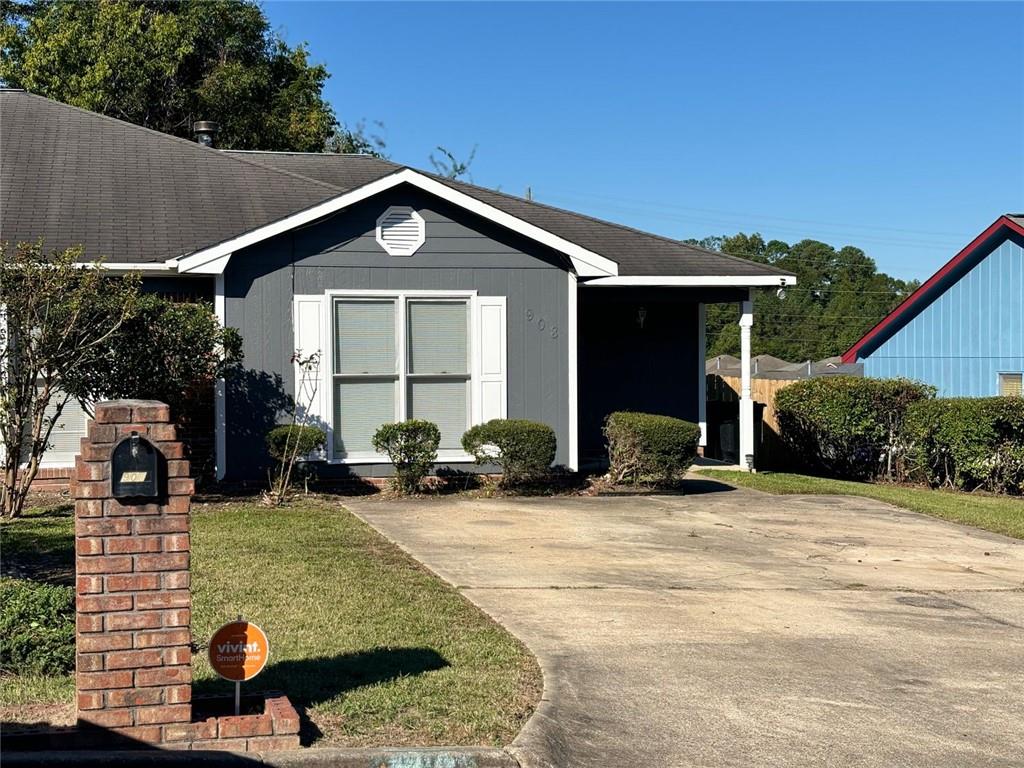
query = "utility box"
{"x": 135, "y": 469}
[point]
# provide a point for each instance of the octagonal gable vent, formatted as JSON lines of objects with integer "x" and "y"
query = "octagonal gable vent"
{"x": 401, "y": 231}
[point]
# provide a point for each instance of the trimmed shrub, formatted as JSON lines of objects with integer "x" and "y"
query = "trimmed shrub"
{"x": 283, "y": 441}
{"x": 966, "y": 443}
{"x": 37, "y": 628}
{"x": 845, "y": 425}
{"x": 412, "y": 447}
{"x": 523, "y": 449}
{"x": 649, "y": 447}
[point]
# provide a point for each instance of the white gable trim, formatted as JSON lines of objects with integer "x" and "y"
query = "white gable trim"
{"x": 214, "y": 259}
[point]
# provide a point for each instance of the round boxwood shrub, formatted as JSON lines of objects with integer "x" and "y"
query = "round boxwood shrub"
{"x": 294, "y": 439}
{"x": 845, "y": 425}
{"x": 648, "y": 447}
{"x": 412, "y": 447}
{"x": 966, "y": 443}
{"x": 523, "y": 449}
{"x": 37, "y": 628}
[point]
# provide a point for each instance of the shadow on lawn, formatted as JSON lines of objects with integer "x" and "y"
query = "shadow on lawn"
{"x": 40, "y": 545}
{"x": 308, "y": 682}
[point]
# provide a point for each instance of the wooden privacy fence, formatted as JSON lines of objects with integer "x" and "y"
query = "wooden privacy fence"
{"x": 723, "y": 408}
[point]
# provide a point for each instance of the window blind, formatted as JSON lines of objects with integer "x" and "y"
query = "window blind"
{"x": 438, "y": 337}
{"x": 360, "y": 406}
{"x": 364, "y": 337}
{"x": 1010, "y": 384}
{"x": 444, "y": 402}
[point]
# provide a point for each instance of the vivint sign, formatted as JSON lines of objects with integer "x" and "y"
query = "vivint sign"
{"x": 239, "y": 651}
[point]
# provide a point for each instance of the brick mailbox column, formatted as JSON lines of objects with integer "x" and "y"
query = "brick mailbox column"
{"x": 132, "y": 582}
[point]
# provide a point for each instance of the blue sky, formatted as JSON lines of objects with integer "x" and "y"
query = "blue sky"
{"x": 895, "y": 127}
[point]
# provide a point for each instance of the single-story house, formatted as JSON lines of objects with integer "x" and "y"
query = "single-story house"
{"x": 427, "y": 297}
{"x": 962, "y": 331}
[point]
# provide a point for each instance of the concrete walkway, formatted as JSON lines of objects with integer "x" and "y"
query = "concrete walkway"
{"x": 734, "y": 628}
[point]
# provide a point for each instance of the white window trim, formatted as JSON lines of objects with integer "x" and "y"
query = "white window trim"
{"x": 401, "y": 297}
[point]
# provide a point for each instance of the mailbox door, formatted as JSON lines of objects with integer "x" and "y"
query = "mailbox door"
{"x": 135, "y": 469}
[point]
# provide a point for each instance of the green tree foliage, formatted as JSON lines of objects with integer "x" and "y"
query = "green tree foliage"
{"x": 60, "y": 322}
{"x": 840, "y": 295}
{"x": 448, "y": 165}
{"x": 163, "y": 64}
{"x": 86, "y": 334}
{"x": 167, "y": 351}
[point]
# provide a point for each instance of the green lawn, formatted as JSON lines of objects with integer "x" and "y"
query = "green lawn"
{"x": 999, "y": 514}
{"x": 376, "y": 649}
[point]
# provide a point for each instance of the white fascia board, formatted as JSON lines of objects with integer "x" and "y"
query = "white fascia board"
{"x": 585, "y": 262}
{"x": 693, "y": 281}
{"x": 214, "y": 259}
{"x": 145, "y": 268}
{"x": 214, "y": 266}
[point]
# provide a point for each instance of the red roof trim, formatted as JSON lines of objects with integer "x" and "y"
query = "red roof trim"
{"x": 850, "y": 356}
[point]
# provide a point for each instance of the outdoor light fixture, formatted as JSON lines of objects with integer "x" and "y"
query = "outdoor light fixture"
{"x": 641, "y": 316}
{"x": 781, "y": 292}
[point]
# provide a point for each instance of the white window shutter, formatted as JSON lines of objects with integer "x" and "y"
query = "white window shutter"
{"x": 308, "y": 315}
{"x": 490, "y": 398}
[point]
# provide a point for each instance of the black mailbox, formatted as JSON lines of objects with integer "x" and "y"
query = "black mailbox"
{"x": 135, "y": 469}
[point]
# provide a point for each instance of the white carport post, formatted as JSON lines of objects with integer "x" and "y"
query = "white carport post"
{"x": 702, "y": 378}
{"x": 746, "y": 403}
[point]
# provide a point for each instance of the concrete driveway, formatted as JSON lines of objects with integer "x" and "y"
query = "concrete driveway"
{"x": 734, "y": 628}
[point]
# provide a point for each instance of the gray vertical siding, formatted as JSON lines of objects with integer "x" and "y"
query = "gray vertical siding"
{"x": 462, "y": 252}
{"x": 968, "y": 335}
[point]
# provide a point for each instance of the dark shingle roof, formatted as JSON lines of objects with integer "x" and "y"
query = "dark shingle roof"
{"x": 129, "y": 194}
{"x": 125, "y": 193}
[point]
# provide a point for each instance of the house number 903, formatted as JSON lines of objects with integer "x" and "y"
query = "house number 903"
{"x": 542, "y": 324}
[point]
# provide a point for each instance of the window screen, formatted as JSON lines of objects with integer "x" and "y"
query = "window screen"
{"x": 1010, "y": 384}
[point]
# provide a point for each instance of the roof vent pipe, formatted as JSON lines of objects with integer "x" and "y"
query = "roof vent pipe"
{"x": 205, "y": 131}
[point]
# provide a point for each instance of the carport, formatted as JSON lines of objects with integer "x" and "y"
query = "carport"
{"x": 642, "y": 348}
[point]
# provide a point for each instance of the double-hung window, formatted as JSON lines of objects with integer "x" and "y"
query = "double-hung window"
{"x": 398, "y": 357}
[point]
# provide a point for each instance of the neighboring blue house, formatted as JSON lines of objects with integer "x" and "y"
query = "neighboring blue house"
{"x": 963, "y": 330}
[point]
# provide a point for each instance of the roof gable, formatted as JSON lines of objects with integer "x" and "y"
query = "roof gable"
{"x": 935, "y": 286}
{"x": 637, "y": 254}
